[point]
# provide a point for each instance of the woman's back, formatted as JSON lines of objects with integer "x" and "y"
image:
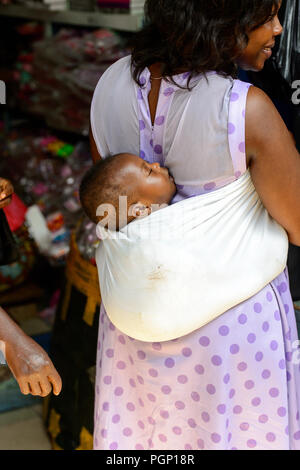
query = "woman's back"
{"x": 234, "y": 383}
{"x": 193, "y": 131}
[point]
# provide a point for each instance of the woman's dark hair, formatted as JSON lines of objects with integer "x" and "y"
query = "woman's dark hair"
{"x": 197, "y": 35}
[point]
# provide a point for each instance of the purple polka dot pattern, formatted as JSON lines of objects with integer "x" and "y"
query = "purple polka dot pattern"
{"x": 231, "y": 128}
{"x": 169, "y": 362}
{"x": 182, "y": 379}
{"x": 257, "y": 307}
{"x": 153, "y": 372}
{"x": 230, "y": 384}
{"x": 249, "y": 384}
{"x": 234, "y": 96}
{"x": 118, "y": 391}
{"x": 242, "y": 147}
{"x": 244, "y": 426}
{"x": 251, "y": 338}
{"x": 204, "y": 341}
{"x": 259, "y": 356}
{"x": 166, "y": 390}
{"x": 195, "y": 396}
{"x": 263, "y": 419}
{"x": 211, "y": 389}
{"x": 115, "y": 419}
{"x": 210, "y": 186}
{"x": 221, "y": 409}
{"x": 142, "y": 125}
{"x": 226, "y": 378}
{"x": 160, "y": 120}
{"x": 216, "y": 360}
{"x": 224, "y": 330}
{"x": 199, "y": 369}
{"x": 169, "y": 91}
{"x": 158, "y": 149}
{"x": 187, "y": 352}
{"x": 179, "y": 405}
{"x": 234, "y": 348}
{"x": 141, "y": 355}
{"x": 164, "y": 414}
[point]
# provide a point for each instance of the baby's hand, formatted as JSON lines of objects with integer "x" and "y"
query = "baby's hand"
{"x": 32, "y": 367}
{"x": 6, "y": 191}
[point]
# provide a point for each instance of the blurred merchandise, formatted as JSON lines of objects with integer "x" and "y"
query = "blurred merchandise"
{"x": 82, "y": 5}
{"x": 122, "y": 6}
{"x": 48, "y": 314}
{"x": 16, "y": 273}
{"x": 53, "y": 5}
{"x": 87, "y": 240}
{"x": 15, "y": 213}
{"x": 46, "y": 173}
{"x": 8, "y": 247}
{"x": 288, "y": 54}
{"x": 57, "y": 77}
{"x": 17, "y": 254}
{"x": 69, "y": 417}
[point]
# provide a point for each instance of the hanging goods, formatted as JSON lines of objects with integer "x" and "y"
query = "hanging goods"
{"x": 288, "y": 54}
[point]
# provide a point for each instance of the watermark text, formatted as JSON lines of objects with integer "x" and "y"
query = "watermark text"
{"x": 2, "y": 92}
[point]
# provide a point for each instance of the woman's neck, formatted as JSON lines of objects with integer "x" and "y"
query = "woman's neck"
{"x": 156, "y": 69}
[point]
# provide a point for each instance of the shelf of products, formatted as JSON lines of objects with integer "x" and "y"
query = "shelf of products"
{"x": 121, "y": 22}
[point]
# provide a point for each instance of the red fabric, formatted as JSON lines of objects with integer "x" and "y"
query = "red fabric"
{"x": 15, "y": 213}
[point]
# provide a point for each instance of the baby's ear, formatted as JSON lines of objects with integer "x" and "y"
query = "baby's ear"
{"x": 139, "y": 210}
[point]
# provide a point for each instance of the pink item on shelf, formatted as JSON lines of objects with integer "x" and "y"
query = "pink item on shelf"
{"x": 48, "y": 140}
{"x": 40, "y": 188}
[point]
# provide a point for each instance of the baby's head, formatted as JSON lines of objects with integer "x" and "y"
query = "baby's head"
{"x": 144, "y": 187}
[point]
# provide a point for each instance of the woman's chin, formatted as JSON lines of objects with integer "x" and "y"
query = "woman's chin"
{"x": 255, "y": 67}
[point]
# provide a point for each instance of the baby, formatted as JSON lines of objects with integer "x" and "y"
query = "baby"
{"x": 123, "y": 187}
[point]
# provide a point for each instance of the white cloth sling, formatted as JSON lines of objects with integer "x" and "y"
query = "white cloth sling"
{"x": 174, "y": 271}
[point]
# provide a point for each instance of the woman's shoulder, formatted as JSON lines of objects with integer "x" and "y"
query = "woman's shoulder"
{"x": 213, "y": 84}
{"x": 217, "y": 80}
{"x": 122, "y": 64}
{"x": 119, "y": 70}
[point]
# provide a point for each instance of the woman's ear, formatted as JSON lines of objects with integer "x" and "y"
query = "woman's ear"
{"x": 139, "y": 210}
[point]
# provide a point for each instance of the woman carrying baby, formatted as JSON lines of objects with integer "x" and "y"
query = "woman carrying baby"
{"x": 233, "y": 383}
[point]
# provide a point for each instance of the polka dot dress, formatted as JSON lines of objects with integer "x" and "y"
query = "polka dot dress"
{"x": 232, "y": 384}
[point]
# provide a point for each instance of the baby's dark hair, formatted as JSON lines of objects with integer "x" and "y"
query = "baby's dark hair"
{"x": 102, "y": 185}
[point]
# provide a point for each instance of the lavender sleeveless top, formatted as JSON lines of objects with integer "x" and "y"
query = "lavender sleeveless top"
{"x": 199, "y": 135}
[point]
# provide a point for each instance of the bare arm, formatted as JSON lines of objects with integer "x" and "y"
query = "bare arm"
{"x": 274, "y": 162}
{"x": 27, "y": 360}
{"x": 94, "y": 151}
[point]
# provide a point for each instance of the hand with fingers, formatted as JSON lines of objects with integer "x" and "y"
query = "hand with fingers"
{"x": 32, "y": 367}
{"x": 6, "y": 192}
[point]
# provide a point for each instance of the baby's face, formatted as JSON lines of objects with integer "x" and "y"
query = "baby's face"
{"x": 151, "y": 183}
